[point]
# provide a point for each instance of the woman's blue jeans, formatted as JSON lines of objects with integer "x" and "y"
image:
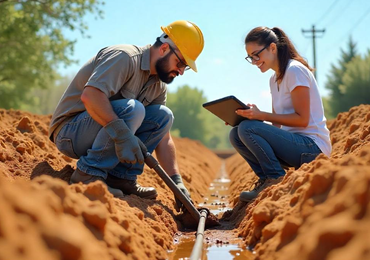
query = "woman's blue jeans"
{"x": 84, "y": 139}
{"x": 269, "y": 149}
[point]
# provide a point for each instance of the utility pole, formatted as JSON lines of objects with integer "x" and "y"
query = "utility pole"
{"x": 313, "y": 31}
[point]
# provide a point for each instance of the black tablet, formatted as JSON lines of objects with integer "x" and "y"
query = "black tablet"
{"x": 225, "y": 108}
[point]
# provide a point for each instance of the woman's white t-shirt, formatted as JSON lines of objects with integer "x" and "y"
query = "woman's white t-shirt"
{"x": 297, "y": 74}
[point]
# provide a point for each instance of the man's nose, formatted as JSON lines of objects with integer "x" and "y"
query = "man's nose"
{"x": 181, "y": 71}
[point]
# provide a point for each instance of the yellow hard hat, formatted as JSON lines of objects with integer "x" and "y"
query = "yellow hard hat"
{"x": 188, "y": 38}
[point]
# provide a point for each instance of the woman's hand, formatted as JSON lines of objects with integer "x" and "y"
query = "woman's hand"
{"x": 252, "y": 113}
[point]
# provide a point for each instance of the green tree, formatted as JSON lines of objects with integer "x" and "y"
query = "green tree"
{"x": 195, "y": 122}
{"x": 327, "y": 108}
{"x": 355, "y": 85}
{"x": 44, "y": 101}
{"x": 217, "y": 132}
{"x": 336, "y": 99}
{"x": 32, "y": 43}
{"x": 186, "y": 105}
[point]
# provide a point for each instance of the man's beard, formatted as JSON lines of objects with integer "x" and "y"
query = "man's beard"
{"x": 163, "y": 72}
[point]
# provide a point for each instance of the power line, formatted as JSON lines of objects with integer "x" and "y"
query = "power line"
{"x": 355, "y": 25}
{"x": 360, "y": 20}
{"x": 337, "y": 16}
{"x": 325, "y": 14}
{"x": 339, "y": 40}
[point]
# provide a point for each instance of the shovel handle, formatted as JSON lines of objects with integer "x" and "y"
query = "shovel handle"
{"x": 143, "y": 148}
{"x": 153, "y": 164}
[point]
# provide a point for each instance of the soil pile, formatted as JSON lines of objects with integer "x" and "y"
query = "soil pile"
{"x": 321, "y": 210}
{"x": 42, "y": 217}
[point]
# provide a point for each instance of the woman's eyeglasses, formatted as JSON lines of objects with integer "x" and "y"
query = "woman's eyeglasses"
{"x": 255, "y": 56}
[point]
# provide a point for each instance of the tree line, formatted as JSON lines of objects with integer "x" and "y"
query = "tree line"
{"x": 348, "y": 81}
{"x": 33, "y": 46}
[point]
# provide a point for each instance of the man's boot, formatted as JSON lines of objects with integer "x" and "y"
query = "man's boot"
{"x": 260, "y": 185}
{"x": 80, "y": 176}
{"x": 131, "y": 187}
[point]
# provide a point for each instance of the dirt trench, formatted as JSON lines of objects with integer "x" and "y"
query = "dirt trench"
{"x": 320, "y": 211}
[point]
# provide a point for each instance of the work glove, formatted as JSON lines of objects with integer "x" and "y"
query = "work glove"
{"x": 176, "y": 178}
{"x": 126, "y": 143}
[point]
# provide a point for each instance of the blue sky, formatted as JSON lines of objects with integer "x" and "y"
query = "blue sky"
{"x": 222, "y": 69}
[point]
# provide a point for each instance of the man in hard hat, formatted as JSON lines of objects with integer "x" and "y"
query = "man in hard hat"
{"x": 118, "y": 96}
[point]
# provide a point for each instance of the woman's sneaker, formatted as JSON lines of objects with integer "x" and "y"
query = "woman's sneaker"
{"x": 260, "y": 185}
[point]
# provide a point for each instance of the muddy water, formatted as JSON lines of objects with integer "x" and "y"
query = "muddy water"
{"x": 217, "y": 199}
{"x": 210, "y": 252}
{"x": 221, "y": 243}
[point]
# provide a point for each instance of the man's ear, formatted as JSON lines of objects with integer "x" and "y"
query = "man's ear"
{"x": 163, "y": 48}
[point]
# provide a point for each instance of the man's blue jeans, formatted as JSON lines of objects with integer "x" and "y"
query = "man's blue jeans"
{"x": 84, "y": 139}
{"x": 268, "y": 149}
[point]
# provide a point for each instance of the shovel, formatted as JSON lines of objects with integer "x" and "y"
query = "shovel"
{"x": 154, "y": 164}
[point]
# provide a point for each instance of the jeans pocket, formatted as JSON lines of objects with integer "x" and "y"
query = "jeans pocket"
{"x": 308, "y": 157}
{"x": 65, "y": 146}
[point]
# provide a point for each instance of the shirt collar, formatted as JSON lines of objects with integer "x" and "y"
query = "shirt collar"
{"x": 145, "y": 58}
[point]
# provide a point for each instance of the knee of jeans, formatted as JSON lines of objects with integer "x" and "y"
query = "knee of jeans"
{"x": 167, "y": 116}
{"x": 138, "y": 108}
{"x": 130, "y": 110}
{"x": 233, "y": 135}
{"x": 247, "y": 125}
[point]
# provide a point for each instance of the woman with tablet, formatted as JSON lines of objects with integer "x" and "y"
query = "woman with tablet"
{"x": 298, "y": 132}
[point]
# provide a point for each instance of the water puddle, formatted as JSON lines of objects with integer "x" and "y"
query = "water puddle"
{"x": 213, "y": 252}
{"x": 225, "y": 252}
{"x": 217, "y": 198}
{"x": 217, "y": 201}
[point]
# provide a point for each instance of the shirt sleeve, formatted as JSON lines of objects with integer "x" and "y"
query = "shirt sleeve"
{"x": 297, "y": 76}
{"x": 111, "y": 70}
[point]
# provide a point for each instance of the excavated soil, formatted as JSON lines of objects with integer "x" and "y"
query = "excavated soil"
{"x": 42, "y": 217}
{"x": 320, "y": 211}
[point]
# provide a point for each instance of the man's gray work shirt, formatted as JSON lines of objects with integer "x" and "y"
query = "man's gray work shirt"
{"x": 120, "y": 71}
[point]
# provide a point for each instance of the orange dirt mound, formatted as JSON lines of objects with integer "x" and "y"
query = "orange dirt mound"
{"x": 42, "y": 217}
{"x": 321, "y": 210}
